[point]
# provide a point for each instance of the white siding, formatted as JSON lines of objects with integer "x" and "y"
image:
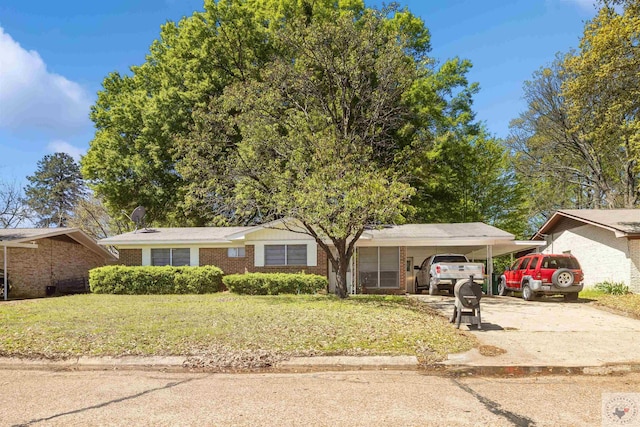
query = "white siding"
{"x": 194, "y": 257}
{"x": 146, "y": 256}
{"x": 601, "y": 254}
{"x": 258, "y": 257}
{"x": 271, "y": 234}
{"x": 634, "y": 250}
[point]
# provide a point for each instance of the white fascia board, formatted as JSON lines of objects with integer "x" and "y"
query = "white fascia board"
{"x": 529, "y": 242}
{"x": 127, "y": 244}
{"x": 434, "y": 242}
{"x": 19, "y": 245}
{"x": 271, "y": 224}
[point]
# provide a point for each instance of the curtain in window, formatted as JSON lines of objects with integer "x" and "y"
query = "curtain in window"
{"x": 180, "y": 257}
{"x": 274, "y": 254}
{"x": 296, "y": 254}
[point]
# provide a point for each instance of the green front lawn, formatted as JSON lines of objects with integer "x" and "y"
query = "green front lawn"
{"x": 628, "y": 304}
{"x": 237, "y": 326}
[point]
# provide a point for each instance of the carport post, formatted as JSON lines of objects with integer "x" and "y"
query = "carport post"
{"x": 489, "y": 270}
{"x": 4, "y": 269}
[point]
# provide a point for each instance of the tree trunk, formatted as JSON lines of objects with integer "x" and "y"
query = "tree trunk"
{"x": 341, "y": 277}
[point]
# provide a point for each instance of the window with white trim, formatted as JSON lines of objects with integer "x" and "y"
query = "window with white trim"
{"x": 171, "y": 256}
{"x": 379, "y": 267}
{"x": 285, "y": 255}
{"x": 238, "y": 252}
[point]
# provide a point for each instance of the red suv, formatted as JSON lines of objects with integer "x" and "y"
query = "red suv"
{"x": 543, "y": 274}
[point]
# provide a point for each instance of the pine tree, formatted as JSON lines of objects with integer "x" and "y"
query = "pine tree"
{"x": 54, "y": 190}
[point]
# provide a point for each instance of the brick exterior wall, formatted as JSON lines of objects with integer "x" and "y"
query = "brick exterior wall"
{"x": 634, "y": 256}
{"x": 56, "y": 258}
{"x": 130, "y": 257}
{"x": 321, "y": 268}
{"x": 219, "y": 257}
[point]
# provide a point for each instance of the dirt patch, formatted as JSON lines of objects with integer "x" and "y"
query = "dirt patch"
{"x": 491, "y": 350}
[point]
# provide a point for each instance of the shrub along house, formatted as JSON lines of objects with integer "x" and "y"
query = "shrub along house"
{"x": 606, "y": 242}
{"x": 37, "y": 258}
{"x": 383, "y": 263}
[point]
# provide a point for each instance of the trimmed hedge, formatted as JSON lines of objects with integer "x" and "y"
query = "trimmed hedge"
{"x": 118, "y": 279}
{"x": 274, "y": 283}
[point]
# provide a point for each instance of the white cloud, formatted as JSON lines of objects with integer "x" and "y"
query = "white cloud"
{"x": 64, "y": 147}
{"x": 32, "y": 97}
{"x": 588, "y": 5}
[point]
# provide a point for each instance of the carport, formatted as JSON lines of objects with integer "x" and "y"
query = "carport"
{"x": 416, "y": 242}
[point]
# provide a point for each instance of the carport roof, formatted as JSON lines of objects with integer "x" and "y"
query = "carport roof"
{"x": 623, "y": 222}
{"x": 23, "y": 237}
{"x": 440, "y": 231}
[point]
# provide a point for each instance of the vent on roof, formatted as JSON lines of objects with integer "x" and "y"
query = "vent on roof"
{"x": 378, "y": 226}
{"x": 148, "y": 230}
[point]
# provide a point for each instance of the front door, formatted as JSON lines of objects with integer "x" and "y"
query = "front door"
{"x": 410, "y": 277}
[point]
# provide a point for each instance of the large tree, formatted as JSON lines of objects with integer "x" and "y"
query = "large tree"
{"x": 138, "y": 117}
{"x": 603, "y": 95}
{"x": 320, "y": 132}
{"x": 54, "y": 190}
{"x": 13, "y": 210}
{"x": 91, "y": 216}
{"x": 576, "y": 145}
{"x": 469, "y": 177}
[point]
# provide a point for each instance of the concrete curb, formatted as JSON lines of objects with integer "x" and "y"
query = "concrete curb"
{"x": 180, "y": 363}
{"x": 313, "y": 364}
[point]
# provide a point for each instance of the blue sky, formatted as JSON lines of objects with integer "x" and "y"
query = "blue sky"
{"x": 55, "y": 55}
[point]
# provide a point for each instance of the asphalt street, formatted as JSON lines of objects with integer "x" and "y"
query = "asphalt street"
{"x": 356, "y": 398}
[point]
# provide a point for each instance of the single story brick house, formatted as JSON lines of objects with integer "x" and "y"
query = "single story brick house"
{"x": 383, "y": 263}
{"x": 35, "y": 258}
{"x": 606, "y": 242}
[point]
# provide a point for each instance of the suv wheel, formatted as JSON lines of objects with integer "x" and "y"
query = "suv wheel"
{"x": 502, "y": 287}
{"x": 563, "y": 278}
{"x": 571, "y": 296}
{"x": 417, "y": 289}
{"x": 527, "y": 293}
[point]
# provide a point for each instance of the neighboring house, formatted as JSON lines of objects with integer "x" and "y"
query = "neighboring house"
{"x": 606, "y": 242}
{"x": 35, "y": 258}
{"x": 383, "y": 264}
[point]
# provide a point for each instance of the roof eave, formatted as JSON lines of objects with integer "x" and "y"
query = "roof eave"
{"x": 543, "y": 231}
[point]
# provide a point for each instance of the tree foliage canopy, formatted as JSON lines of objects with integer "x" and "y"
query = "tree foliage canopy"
{"x": 577, "y": 143}
{"x": 54, "y": 190}
{"x": 139, "y": 154}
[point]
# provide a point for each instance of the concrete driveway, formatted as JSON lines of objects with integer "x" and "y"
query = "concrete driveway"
{"x": 548, "y": 332}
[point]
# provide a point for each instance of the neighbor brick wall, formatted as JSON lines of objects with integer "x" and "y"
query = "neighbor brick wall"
{"x": 321, "y": 268}
{"x": 634, "y": 256}
{"x": 56, "y": 258}
{"x": 219, "y": 257}
{"x": 130, "y": 257}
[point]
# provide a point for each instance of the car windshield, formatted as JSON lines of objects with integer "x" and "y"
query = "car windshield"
{"x": 560, "y": 262}
{"x": 450, "y": 258}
